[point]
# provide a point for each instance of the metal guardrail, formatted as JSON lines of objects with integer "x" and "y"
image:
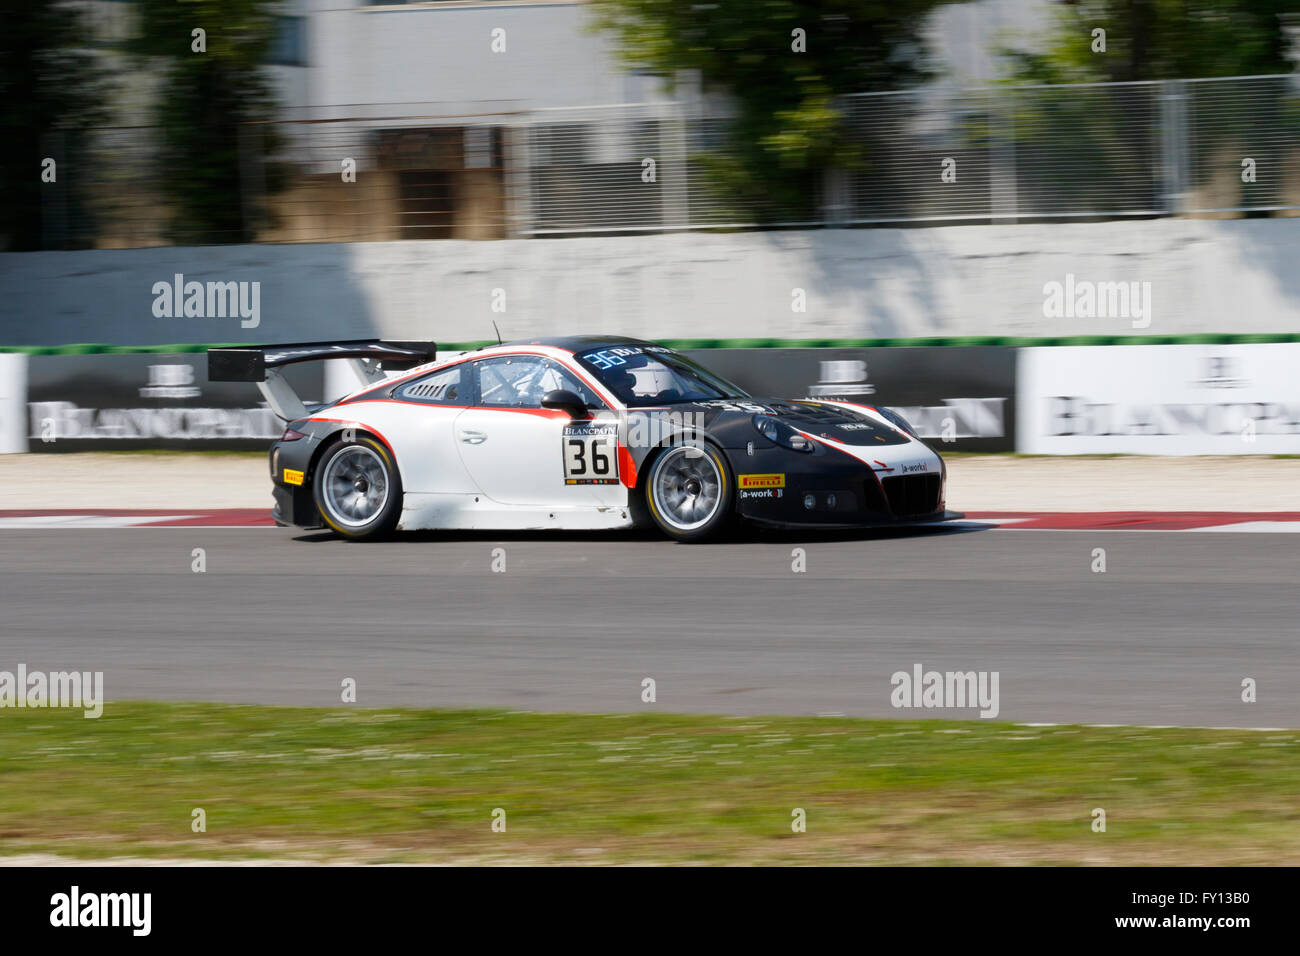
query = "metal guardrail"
{"x": 996, "y": 154}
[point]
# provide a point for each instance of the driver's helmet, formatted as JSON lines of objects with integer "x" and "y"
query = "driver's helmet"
{"x": 622, "y": 381}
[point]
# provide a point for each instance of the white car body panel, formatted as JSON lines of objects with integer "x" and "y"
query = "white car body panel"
{"x": 478, "y": 513}
{"x": 484, "y": 468}
{"x": 428, "y": 461}
{"x": 494, "y": 442}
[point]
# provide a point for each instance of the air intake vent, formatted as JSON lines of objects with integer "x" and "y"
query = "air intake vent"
{"x": 912, "y": 495}
{"x": 426, "y": 390}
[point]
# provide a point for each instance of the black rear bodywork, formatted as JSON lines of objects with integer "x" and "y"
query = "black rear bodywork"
{"x": 256, "y": 363}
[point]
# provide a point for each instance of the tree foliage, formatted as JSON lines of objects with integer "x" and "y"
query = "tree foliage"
{"x": 1153, "y": 40}
{"x": 213, "y": 112}
{"x": 50, "y": 85}
{"x": 1162, "y": 40}
{"x": 788, "y": 128}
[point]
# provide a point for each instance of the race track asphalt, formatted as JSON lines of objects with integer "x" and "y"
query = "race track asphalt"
{"x": 577, "y": 622}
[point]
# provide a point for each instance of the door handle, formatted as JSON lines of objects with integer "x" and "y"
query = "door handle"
{"x": 470, "y": 437}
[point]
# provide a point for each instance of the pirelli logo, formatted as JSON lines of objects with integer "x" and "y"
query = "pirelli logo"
{"x": 292, "y": 477}
{"x": 761, "y": 481}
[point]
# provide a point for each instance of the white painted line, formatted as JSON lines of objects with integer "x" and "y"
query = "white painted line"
{"x": 1150, "y": 530}
{"x": 86, "y": 521}
{"x": 1259, "y": 527}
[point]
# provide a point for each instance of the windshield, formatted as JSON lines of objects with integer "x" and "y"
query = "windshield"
{"x": 642, "y": 375}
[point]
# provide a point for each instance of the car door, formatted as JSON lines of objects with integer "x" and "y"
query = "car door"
{"x": 422, "y": 420}
{"x": 519, "y": 453}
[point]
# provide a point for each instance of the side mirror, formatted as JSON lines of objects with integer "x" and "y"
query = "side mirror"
{"x": 565, "y": 401}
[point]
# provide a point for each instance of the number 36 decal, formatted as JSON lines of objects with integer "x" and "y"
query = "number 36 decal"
{"x": 591, "y": 453}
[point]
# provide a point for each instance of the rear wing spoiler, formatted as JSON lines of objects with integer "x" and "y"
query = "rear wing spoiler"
{"x": 368, "y": 358}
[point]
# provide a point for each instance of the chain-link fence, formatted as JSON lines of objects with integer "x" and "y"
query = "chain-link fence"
{"x": 1000, "y": 154}
{"x": 1242, "y": 143}
{"x": 625, "y": 169}
{"x": 1095, "y": 150}
{"x": 1005, "y": 153}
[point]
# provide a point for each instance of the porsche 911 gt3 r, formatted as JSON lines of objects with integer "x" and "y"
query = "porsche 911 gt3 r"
{"x": 574, "y": 433}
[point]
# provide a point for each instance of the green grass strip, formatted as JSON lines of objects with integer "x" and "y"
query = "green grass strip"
{"x": 351, "y": 784}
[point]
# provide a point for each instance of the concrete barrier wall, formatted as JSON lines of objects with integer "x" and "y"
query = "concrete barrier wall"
{"x": 1192, "y": 277}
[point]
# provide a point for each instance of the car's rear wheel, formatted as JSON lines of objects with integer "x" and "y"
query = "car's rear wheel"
{"x": 689, "y": 491}
{"x": 357, "y": 489}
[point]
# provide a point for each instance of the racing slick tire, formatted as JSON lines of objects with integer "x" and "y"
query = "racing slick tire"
{"x": 690, "y": 492}
{"x": 357, "y": 489}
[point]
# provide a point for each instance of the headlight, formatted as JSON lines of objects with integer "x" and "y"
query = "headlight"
{"x": 782, "y": 434}
{"x": 897, "y": 420}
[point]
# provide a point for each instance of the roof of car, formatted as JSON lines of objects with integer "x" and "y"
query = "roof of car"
{"x": 580, "y": 343}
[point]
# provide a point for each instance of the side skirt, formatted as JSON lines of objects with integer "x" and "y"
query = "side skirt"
{"x": 937, "y": 518}
{"x": 433, "y": 512}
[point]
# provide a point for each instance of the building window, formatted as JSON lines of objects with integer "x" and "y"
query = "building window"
{"x": 289, "y": 44}
{"x": 425, "y": 204}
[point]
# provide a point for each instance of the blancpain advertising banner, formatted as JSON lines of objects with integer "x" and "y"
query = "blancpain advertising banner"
{"x": 1159, "y": 400}
{"x": 13, "y": 402}
{"x": 120, "y": 401}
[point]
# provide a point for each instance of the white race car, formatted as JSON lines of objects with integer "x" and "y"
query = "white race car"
{"x": 583, "y": 432}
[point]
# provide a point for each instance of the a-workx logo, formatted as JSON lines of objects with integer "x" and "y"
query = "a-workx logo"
{"x": 76, "y": 909}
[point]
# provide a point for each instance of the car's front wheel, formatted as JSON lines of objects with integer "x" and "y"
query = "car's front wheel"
{"x": 689, "y": 491}
{"x": 357, "y": 489}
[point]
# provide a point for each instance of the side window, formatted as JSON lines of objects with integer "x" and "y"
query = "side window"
{"x": 515, "y": 381}
{"x": 439, "y": 388}
{"x": 558, "y": 376}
